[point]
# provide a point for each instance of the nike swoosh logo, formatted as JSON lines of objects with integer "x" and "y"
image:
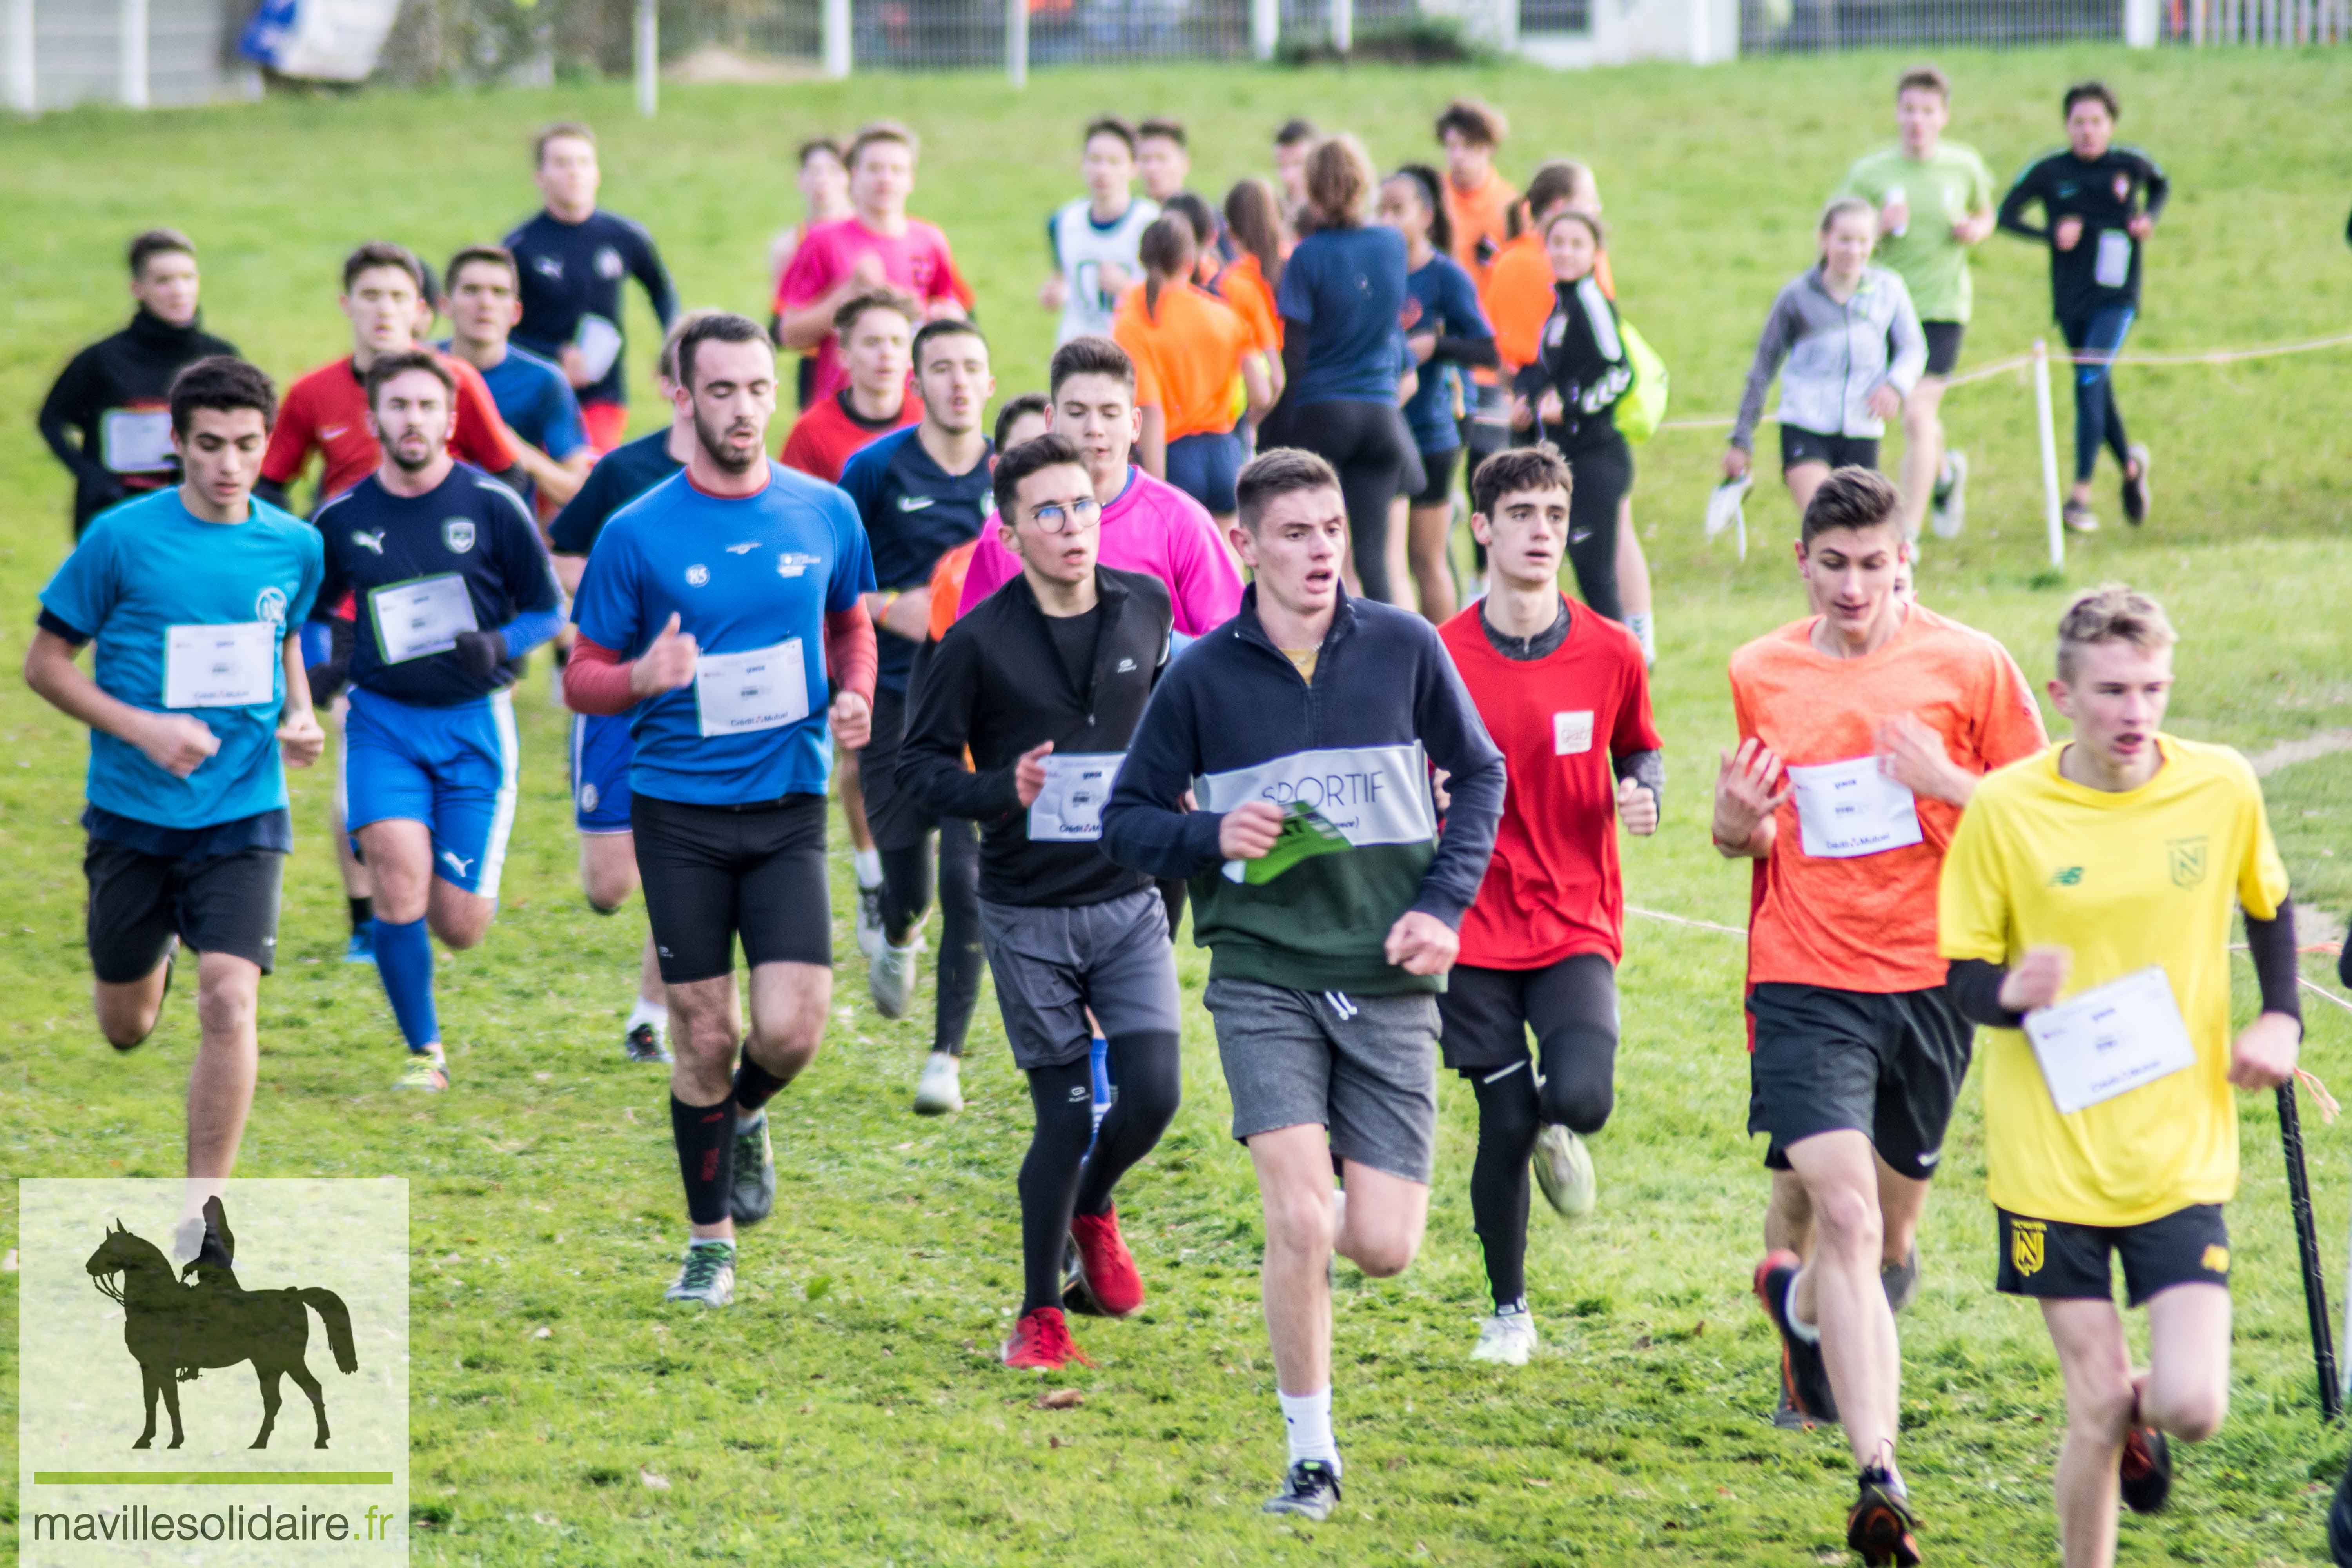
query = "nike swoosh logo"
{"x": 1931, "y": 1159}
{"x": 744, "y": 549}
{"x": 329, "y": 432}
{"x": 915, "y": 503}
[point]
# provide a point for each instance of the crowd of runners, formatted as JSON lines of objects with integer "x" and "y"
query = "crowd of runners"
{"x": 1182, "y": 633}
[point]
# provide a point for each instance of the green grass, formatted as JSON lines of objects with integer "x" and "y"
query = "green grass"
{"x": 846, "y": 1410}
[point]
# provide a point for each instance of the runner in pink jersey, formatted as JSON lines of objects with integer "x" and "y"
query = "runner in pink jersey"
{"x": 1148, "y": 524}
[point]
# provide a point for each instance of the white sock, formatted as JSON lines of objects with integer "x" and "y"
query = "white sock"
{"x": 1645, "y": 631}
{"x": 644, "y": 1012}
{"x": 1307, "y": 1423}
{"x": 869, "y": 867}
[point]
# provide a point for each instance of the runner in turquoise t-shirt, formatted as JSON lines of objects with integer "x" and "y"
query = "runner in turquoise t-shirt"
{"x": 1935, "y": 199}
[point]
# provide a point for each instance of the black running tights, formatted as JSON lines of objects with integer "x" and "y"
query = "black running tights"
{"x": 1060, "y": 1177}
{"x": 907, "y": 898}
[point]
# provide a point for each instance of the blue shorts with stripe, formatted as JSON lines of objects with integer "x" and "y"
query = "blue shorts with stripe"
{"x": 452, "y": 769}
{"x": 601, "y": 751}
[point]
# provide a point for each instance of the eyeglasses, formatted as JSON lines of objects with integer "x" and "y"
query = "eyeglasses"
{"x": 1083, "y": 516}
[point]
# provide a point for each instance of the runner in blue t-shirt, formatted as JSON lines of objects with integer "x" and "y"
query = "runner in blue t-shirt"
{"x": 448, "y": 583}
{"x": 601, "y": 749}
{"x": 713, "y": 610}
{"x": 483, "y": 302}
{"x": 921, "y": 492}
{"x": 190, "y": 595}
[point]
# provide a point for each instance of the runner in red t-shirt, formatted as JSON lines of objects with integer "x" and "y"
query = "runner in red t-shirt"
{"x": 875, "y": 331}
{"x": 1564, "y": 693}
{"x": 876, "y": 246}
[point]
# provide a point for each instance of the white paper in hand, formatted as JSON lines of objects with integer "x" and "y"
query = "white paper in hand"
{"x": 599, "y": 343}
{"x": 2112, "y": 270}
{"x": 1723, "y": 509}
{"x": 1068, "y": 810}
{"x": 2110, "y": 1040}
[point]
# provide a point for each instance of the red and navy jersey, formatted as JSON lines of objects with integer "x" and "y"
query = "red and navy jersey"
{"x": 914, "y": 511}
{"x": 326, "y": 411}
{"x": 568, "y": 270}
{"x": 1564, "y": 720}
{"x": 830, "y": 432}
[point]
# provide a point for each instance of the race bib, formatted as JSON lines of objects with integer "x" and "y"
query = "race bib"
{"x": 1068, "y": 810}
{"x": 2112, "y": 270}
{"x": 421, "y": 616}
{"x": 1370, "y": 795}
{"x": 2110, "y": 1040}
{"x": 232, "y": 666}
{"x": 135, "y": 440}
{"x": 1850, "y": 809}
{"x": 738, "y": 693}
{"x": 1572, "y": 733}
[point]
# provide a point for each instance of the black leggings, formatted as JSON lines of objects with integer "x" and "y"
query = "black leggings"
{"x": 1602, "y": 471}
{"x": 907, "y": 898}
{"x": 1366, "y": 442}
{"x": 1572, "y": 1007}
{"x": 1060, "y": 1175}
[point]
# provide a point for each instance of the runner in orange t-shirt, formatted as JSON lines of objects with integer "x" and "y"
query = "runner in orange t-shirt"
{"x": 1194, "y": 344}
{"x": 1478, "y": 201}
{"x": 1863, "y": 733}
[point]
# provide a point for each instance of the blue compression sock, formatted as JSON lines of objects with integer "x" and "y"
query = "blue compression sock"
{"x": 403, "y": 956}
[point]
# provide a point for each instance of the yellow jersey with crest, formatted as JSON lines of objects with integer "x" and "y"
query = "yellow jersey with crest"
{"x": 2124, "y": 881}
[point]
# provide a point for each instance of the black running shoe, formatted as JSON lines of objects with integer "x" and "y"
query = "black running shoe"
{"x": 1900, "y": 1280}
{"x": 2146, "y": 1470}
{"x": 754, "y": 1192}
{"x": 1309, "y": 1491}
{"x": 643, "y": 1044}
{"x": 2135, "y": 495}
{"x": 1881, "y": 1524}
{"x": 1804, "y": 1376}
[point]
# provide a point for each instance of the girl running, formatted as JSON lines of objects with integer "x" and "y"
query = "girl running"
{"x": 1195, "y": 346}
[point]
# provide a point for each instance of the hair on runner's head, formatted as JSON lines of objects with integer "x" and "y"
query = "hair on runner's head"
{"x": 1295, "y": 132}
{"x": 944, "y": 327}
{"x": 1515, "y": 470}
{"x": 1926, "y": 77}
{"x": 2092, "y": 93}
{"x": 812, "y": 146}
{"x": 1110, "y": 125}
{"x": 1589, "y": 222}
{"x": 1167, "y": 251}
{"x": 2111, "y": 612}
{"x": 485, "y": 254}
{"x": 156, "y": 242}
{"x": 1430, "y": 184}
{"x": 716, "y": 327}
{"x": 1271, "y": 475}
{"x": 1162, "y": 128}
{"x": 1339, "y": 178}
{"x": 1090, "y": 356}
{"x": 1556, "y": 179}
{"x": 221, "y": 381}
{"x": 387, "y": 366}
{"x": 1254, "y": 217}
{"x": 1046, "y": 451}
{"x": 665, "y": 363}
{"x": 562, "y": 130}
{"x": 1837, "y": 207}
{"x": 1195, "y": 210}
{"x": 378, "y": 253}
{"x": 875, "y": 133}
{"x": 853, "y": 309}
{"x": 1028, "y": 405}
{"x": 1480, "y": 125}
{"x": 1851, "y": 497}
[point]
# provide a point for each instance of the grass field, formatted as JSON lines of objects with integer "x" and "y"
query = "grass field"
{"x": 847, "y": 1409}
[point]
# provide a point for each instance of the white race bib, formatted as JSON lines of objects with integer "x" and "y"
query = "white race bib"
{"x": 1572, "y": 733}
{"x": 232, "y": 666}
{"x": 1372, "y": 795}
{"x": 1068, "y": 810}
{"x": 1851, "y": 808}
{"x": 2110, "y": 1040}
{"x": 2113, "y": 267}
{"x": 135, "y": 440}
{"x": 737, "y": 693}
{"x": 421, "y": 616}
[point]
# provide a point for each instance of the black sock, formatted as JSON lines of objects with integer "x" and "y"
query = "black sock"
{"x": 906, "y": 891}
{"x": 363, "y": 914}
{"x": 1064, "y": 1099}
{"x": 961, "y": 957}
{"x": 1146, "y": 1079}
{"x": 754, "y": 1085}
{"x": 704, "y": 1135}
{"x": 1508, "y": 1125}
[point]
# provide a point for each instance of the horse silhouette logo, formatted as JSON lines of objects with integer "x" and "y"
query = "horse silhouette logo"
{"x": 174, "y": 1326}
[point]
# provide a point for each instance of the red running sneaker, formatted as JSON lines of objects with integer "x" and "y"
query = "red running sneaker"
{"x": 1105, "y": 1266}
{"x": 1041, "y": 1342}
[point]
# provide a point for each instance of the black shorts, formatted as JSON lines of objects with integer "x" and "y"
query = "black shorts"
{"x": 714, "y": 872}
{"x": 1886, "y": 1065}
{"x": 1484, "y": 1015}
{"x": 1943, "y": 345}
{"x": 1437, "y": 476}
{"x": 1802, "y": 446}
{"x": 896, "y": 817}
{"x": 2060, "y": 1262}
{"x": 138, "y": 902}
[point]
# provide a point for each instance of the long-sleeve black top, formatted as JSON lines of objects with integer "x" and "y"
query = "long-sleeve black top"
{"x": 108, "y": 418}
{"x": 2102, "y": 269}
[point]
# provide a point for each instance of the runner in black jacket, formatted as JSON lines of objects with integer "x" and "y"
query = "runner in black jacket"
{"x": 1044, "y": 681}
{"x": 2099, "y": 204}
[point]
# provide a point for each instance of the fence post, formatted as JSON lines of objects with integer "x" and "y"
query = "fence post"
{"x": 2048, "y": 427}
{"x": 1016, "y": 41}
{"x": 2141, "y": 19}
{"x": 834, "y": 33}
{"x": 132, "y": 83}
{"x": 1343, "y": 25}
{"x": 1507, "y": 26}
{"x": 1266, "y": 27}
{"x": 649, "y": 57}
{"x": 24, "y": 81}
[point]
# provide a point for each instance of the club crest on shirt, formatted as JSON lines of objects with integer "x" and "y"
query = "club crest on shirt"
{"x": 269, "y": 604}
{"x": 458, "y": 533}
{"x": 697, "y": 576}
{"x": 2187, "y": 857}
{"x": 793, "y": 563}
{"x": 2028, "y": 1244}
{"x": 608, "y": 262}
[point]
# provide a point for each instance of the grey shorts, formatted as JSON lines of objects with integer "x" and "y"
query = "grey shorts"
{"x": 1363, "y": 1067}
{"x": 1051, "y": 964}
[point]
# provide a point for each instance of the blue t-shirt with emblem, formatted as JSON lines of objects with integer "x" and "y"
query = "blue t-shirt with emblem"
{"x": 746, "y": 576}
{"x": 915, "y": 511}
{"x": 407, "y": 558}
{"x": 148, "y": 568}
{"x": 537, "y": 403}
{"x": 1440, "y": 299}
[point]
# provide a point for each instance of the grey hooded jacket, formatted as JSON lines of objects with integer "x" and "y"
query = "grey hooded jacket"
{"x": 1836, "y": 354}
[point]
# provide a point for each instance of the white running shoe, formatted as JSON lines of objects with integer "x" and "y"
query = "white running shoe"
{"x": 707, "y": 1275}
{"x": 890, "y": 980}
{"x": 941, "y": 1088}
{"x": 1564, "y": 1171}
{"x": 869, "y": 920}
{"x": 1949, "y": 513}
{"x": 1507, "y": 1339}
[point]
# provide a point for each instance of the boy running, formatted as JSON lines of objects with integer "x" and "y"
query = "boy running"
{"x": 1095, "y": 240}
{"x": 1478, "y": 200}
{"x": 875, "y": 331}
{"x": 1304, "y": 727}
{"x": 2086, "y": 898}
{"x": 483, "y": 302}
{"x": 1564, "y": 693}
{"x": 1163, "y": 158}
{"x": 1862, "y": 730}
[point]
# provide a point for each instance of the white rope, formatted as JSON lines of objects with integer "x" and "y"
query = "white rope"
{"x": 1685, "y": 920}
